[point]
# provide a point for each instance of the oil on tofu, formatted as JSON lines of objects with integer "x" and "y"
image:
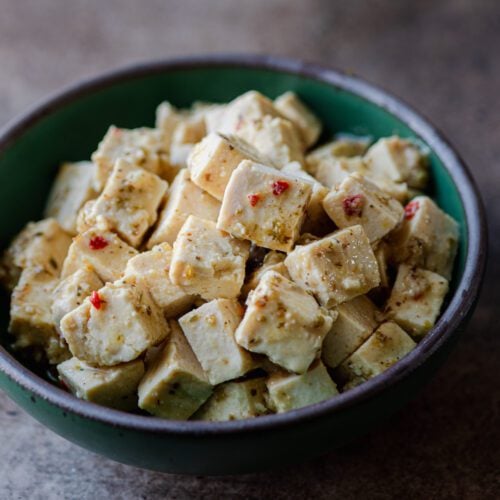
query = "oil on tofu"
{"x": 114, "y": 325}
{"x": 114, "y": 386}
{"x": 264, "y": 206}
{"x": 226, "y": 265}
{"x": 283, "y": 322}
{"x": 235, "y": 401}
{"x": 174, "y": 385}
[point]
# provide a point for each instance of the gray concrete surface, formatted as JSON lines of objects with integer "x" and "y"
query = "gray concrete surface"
{"x": 443, "y": 58}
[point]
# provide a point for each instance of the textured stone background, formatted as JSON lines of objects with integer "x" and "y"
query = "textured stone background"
{"x": 442, "y": 57}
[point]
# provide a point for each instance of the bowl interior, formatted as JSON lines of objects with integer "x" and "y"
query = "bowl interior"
{"x": 72, "y": 130}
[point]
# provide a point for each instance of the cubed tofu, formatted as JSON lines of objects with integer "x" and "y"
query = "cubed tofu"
{"x": 283, "y": 322}
{"x": 101, "y": 251}
{"x": 358, "y": 201}
{"x": 114, "y": 387}
{"x": 42, "y": 244}
{"x": 416, "y": 300}
{"x": 399, "y": 160}
{"x": 336, "y": 268}
{"x": 213, "y": 160}
{"x": 167, "y": 119}
{"x": 184, "y": 198}
{"x": 306, "y": 122}
{"x": 129, "y": 202}
{"x": 143, "y": 147}
{"x": 31, "y": 321}
{"x": 151, "y": 269}
{"x": 264, "y": 206}
{"x": 288, "y": 391}
{"x": 72, "y": 187}
{"x": 178, "y": 155}
{"x": 385, "y": 347}
{"x": 114, "y": 325}
{"x": 209, "y": 330}
{"x": 235, "y": 401}
{"x": 427, "y": 238}
{"x": 275, "y": 138}
{"x": 214, "y": 116}
{"x": 174, "y": 385}
{"x": 356, "y": 321}
{"x": 190, "y": 130}
{"x": 207, "y": 261}
{"x": 316, "y": 220}
{"x": 71, "y": 291}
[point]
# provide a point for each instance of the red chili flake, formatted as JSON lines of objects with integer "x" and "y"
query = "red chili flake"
{"x": 280, "y": 187}
{"x": 353, "y": 205}
{"x": 253, "y": 199}
{"x": 96, "y": 300}
{"x": 98, "y": 243}
{"x": 411, "y": 209}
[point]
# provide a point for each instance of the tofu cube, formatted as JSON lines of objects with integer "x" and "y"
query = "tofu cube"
{"x": 184, "y": 198}
{"x": 143, "y": 147}
{"x": 129, "y": 202}
{"x": 31, "y": 321}
{"x": 42, "y": 244}
{"x": 167, "y": 119}
{"x": 336, "y": 268}
{"x": 356, "y": 321}
{"x": 174, "y": 385}
{"x": 190, "y": 130}
{"x": 209, "y": 330}
{"x": 114, "y": 387}
{"x": 358, "y": 201}
{"x": 178, "y": 156}
{"x": 72, "y": 187}
{"x": 416, "y": 300}
{"x": 385, "y": 347}
{"x": 306, "y": 122}
{"x": 427, "y": 238}
{"x": 100, "y": 251}
{"x": 273, "y": 261}
{"x": 264, "y": 206}
{"x": 151, "y": 269}
{"x": 214, "y": 117}
{"x": 213, "y": 160}
{"x": 288, "y": 391}
{"x": 114, "y": 325}
{"x": 399, "y": 160}
{"x": 207, "y": 261}
{"x": 283, "y": 322}
{"x": 71, "y": 291}
{"x": 235, "y": 401}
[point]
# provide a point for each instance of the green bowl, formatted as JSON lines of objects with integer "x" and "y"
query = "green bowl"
{"x": 68, "y": 127}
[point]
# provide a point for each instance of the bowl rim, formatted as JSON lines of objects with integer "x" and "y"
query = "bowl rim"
{"x": 455, "y": 314}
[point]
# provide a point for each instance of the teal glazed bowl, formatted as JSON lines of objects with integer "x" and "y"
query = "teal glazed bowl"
{"x": 68, "y": 127}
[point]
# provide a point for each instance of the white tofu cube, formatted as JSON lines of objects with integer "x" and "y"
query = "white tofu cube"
{"x": 209, "y": 330}
{"x": 358, "y": 201}
{"x": 129, "y": 202}
{"x": 167, "y": 119}
{"x": 213, "y": 160}
{"x": 385, "y": 347}
{"x": 184, "y": 198}
{"x": 416, "y": 300}
{"x": 178, "y": 156}
{"x": 207, "y": 261}
{"x": 143, "y": 147}
{"x": 151, "y": 269}
{"x": 214, "y": 117}
{"x": 31, "y": 321}
{"x": 336, "y": 268}
{"x": 174, "y": 385}
{"x": 114, "y": 387}
{"x": 356, "y": 321}
{"x": 264, "y": 206}
{"x": 273, "y": 261}
{"x": 100, "y": 251}
{"x": 283, "y": 322}
{"x": 288, "y": 392}
{"x": 190, "y": 130}
{"x": 235, "y": 401}
{"x": 71, "y": 291}
{"x": 292, "y": 108}
{"x": 114, "y": 325}
{"x": 427, "y": 238}
{"x": 72, "y": 187}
